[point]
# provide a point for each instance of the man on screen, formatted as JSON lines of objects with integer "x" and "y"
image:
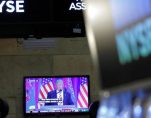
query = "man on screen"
{"x": 61, "y": 94}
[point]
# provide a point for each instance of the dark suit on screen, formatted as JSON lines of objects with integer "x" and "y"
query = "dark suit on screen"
{"x": 66, "y": 98}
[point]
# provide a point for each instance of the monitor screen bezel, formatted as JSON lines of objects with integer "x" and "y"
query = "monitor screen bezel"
{"x": 54, "y": 113}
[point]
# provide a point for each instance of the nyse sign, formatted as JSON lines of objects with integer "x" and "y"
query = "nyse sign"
{"x": 77, "y": 5}
{"x": 12, "y": 6}
{"x": 134, "y": 43}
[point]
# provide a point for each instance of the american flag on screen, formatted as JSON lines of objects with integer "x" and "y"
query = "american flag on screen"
{"x": 46, "y": 87}
{"x": 83, "y": 94}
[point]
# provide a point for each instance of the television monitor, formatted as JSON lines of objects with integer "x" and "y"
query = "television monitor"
{"x": 119, "y": 38}
{"x": 34, "y": 18}
{"x": 56, "y": 95}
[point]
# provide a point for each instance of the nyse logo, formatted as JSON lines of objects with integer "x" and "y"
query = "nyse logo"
{"x": 78, "y": 5}
{"x": 135, "y": 43}
{"x": 12, "y": 6}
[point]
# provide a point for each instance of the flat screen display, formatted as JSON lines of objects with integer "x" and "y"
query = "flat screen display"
{"x": 60, "y": 94}
{"x": 69, "y": 10}
{"x": 36, "y": 18}
{"x": 20, "y": 11}
{"x": 36, "y": 10}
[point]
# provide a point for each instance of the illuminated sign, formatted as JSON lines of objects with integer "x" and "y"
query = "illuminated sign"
{"x": 134, "y": 43}
{"x": 11, "y": 6}
{"x": 69, "y": 10}
{"x": 78, "y": 5}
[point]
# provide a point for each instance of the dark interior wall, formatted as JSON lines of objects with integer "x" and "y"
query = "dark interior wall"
{"x": 15, "y": 63}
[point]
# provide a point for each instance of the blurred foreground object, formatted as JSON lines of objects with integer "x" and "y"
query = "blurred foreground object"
{"x": 128, "y": 104}
{"x": 94, "y": 108}
{"x": 4, "y": 108}
{"x": 119, "y": 38}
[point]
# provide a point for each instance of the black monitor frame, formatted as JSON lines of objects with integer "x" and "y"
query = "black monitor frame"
{"x": 55, "y": 113}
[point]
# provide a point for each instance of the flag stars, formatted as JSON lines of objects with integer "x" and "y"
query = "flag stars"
{"x": 45, "y": 81}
